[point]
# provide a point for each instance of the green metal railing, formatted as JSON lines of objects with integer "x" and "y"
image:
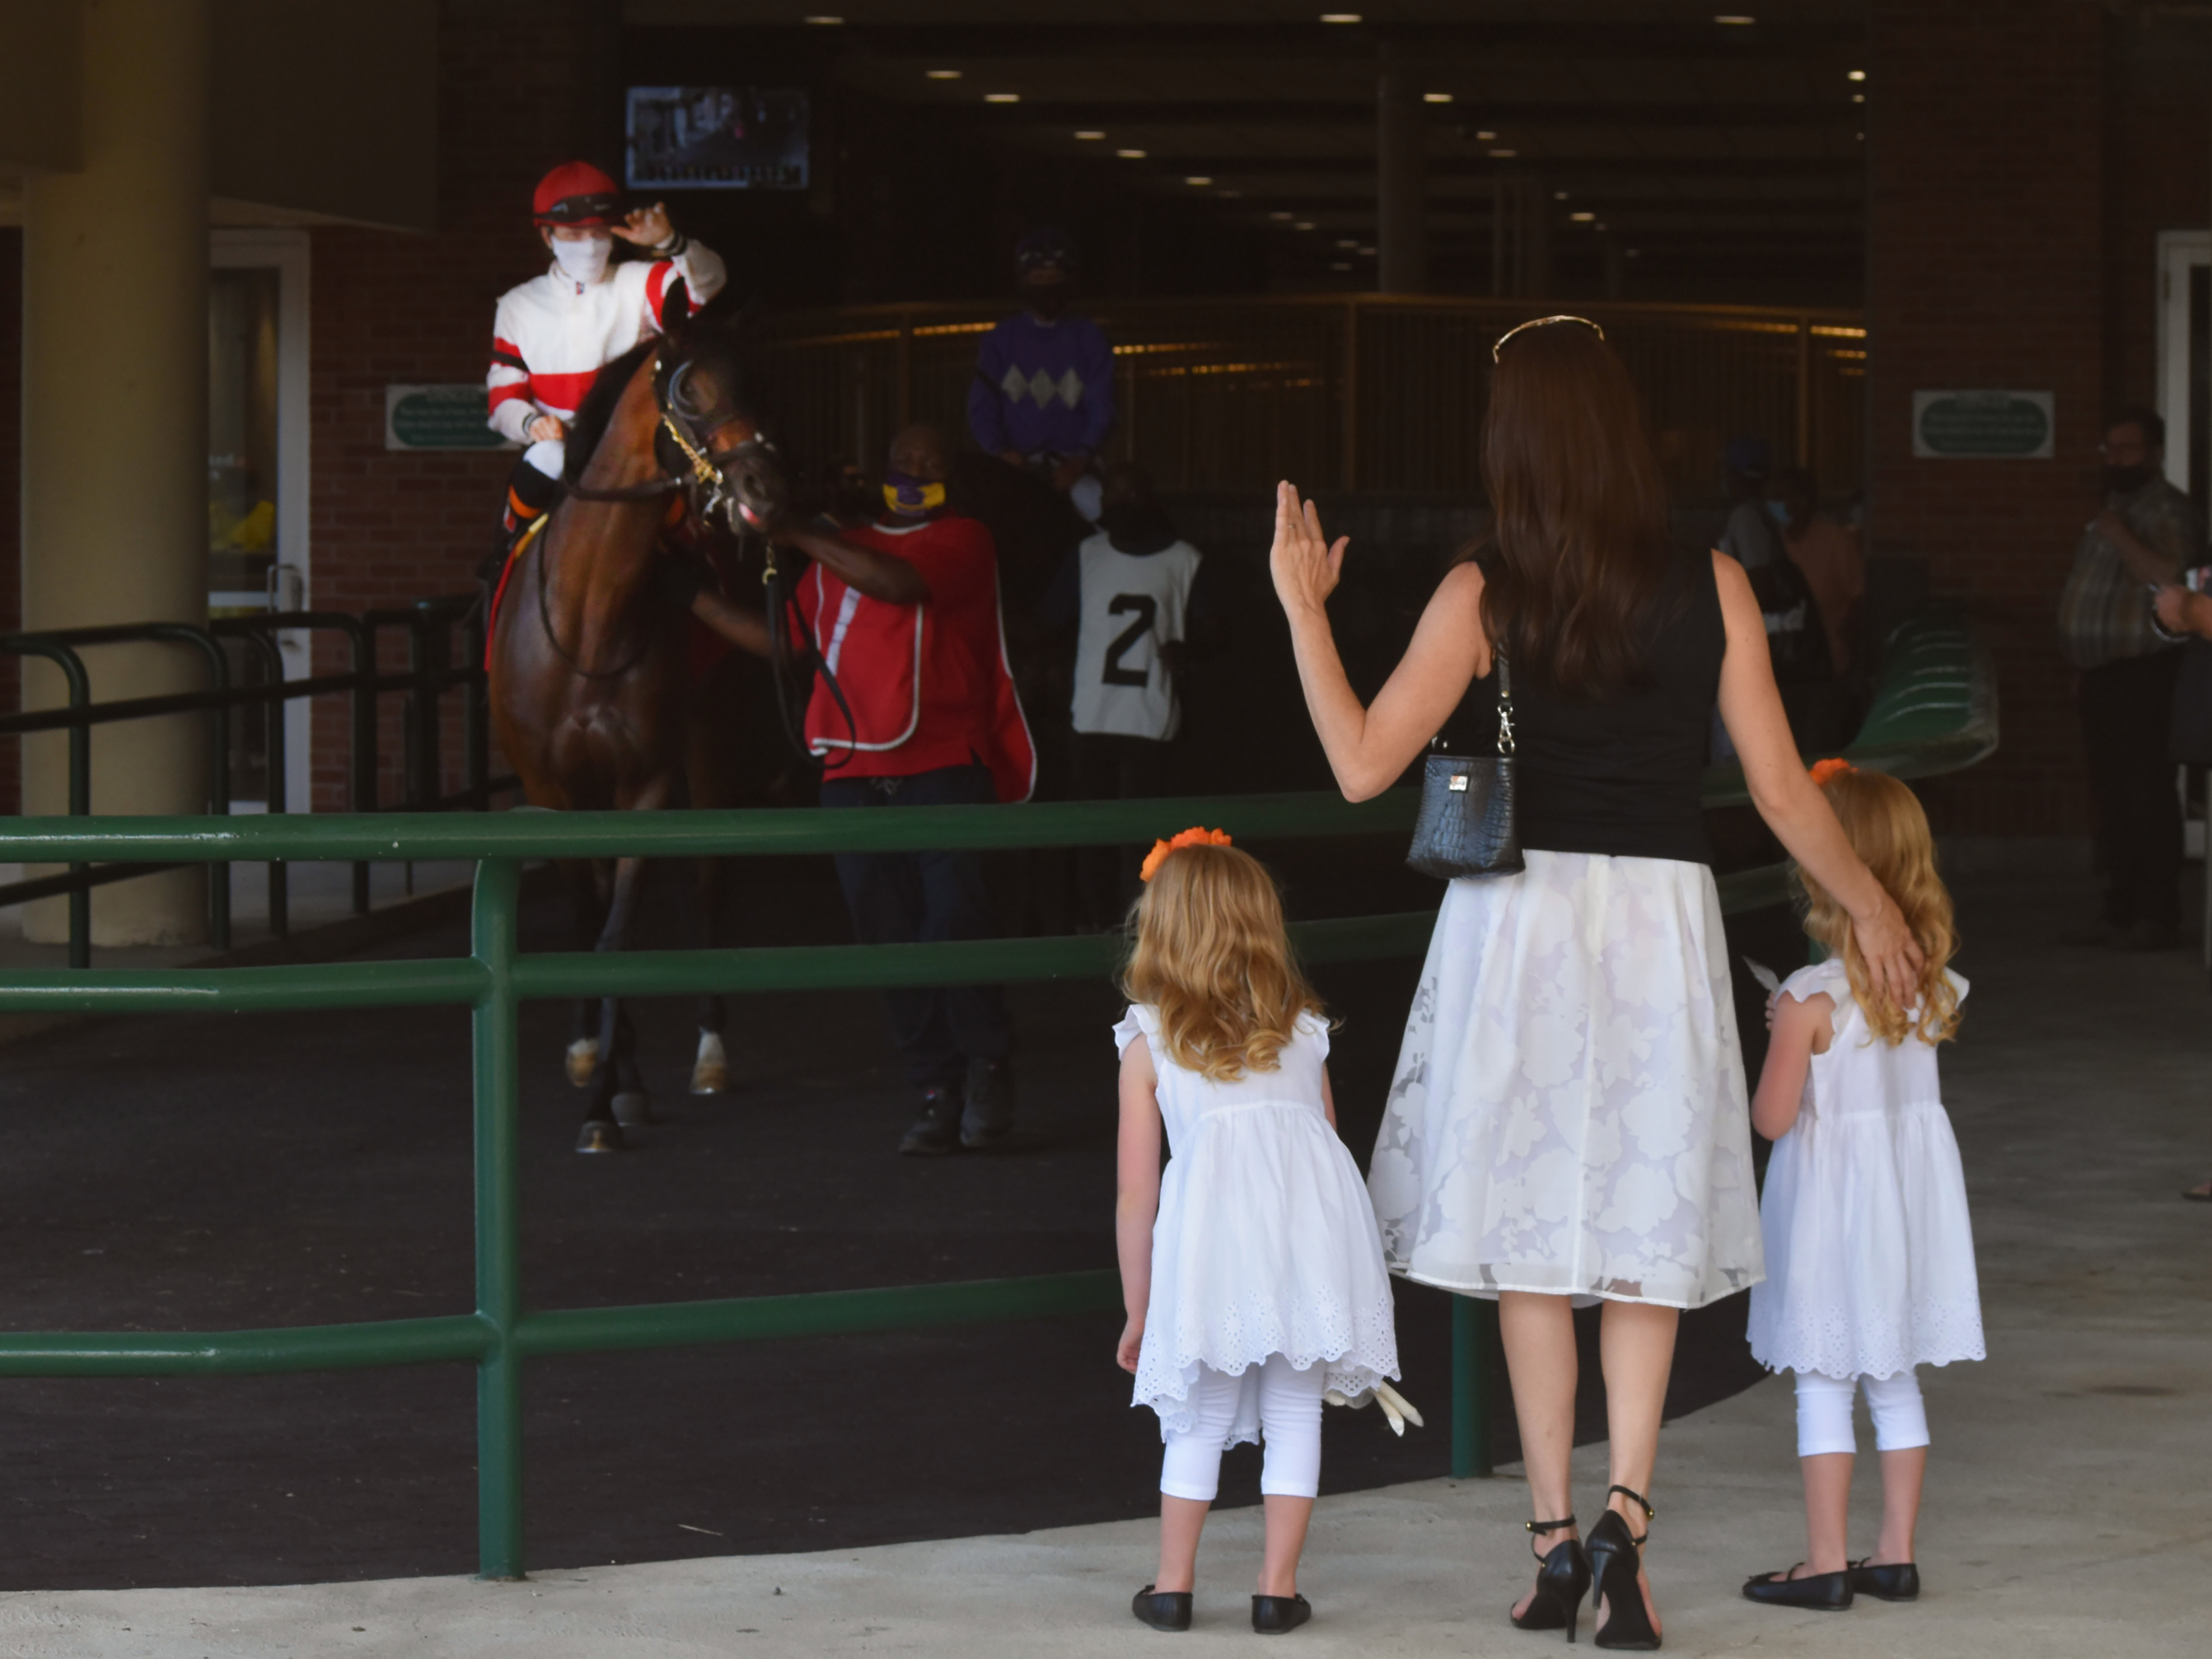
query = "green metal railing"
{"x": 1936, "y": 711}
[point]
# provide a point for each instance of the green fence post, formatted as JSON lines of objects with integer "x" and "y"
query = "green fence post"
{"x": 499, "y": 1277}
{"x": 1472, "y": 1322}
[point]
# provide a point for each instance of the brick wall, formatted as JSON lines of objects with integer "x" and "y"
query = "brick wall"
{"x": 515, "y": 95}
{"x": 1987, "y": 228}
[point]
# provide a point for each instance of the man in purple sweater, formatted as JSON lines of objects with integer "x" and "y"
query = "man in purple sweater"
{"x": 1043, "y": 392}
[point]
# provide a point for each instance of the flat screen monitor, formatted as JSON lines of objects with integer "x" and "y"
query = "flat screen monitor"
{"x": 717, "y": 138}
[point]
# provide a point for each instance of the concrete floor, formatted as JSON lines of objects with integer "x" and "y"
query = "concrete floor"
{"x": 2070, "y": 1504}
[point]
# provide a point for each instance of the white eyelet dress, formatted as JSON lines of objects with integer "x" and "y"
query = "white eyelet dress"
{"x": 1870, "y": 1252}
{"x": 1264, "y": 1242}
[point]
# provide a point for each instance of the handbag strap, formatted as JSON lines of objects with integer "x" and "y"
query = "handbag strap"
{"x": 1505, "y": 742}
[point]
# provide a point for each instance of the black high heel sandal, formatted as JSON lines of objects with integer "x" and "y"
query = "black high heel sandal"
{"x": 1563, "y": 1578}
{"x": 1613, "y": 1556}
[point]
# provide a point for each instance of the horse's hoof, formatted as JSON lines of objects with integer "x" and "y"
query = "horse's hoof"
{"x": 633, "y": 1109}
{"x": 583, "y": 1061}
{"x": 710, "y": 1072}
{"x": 599, "y": 1136}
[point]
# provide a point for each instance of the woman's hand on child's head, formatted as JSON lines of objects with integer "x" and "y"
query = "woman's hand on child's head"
{"x": 1892, "y": 956}
{"x": 1772, "y": 997}
{"x": 1132, "y": 1342}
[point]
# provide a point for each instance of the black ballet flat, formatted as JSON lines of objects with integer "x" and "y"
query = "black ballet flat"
{"x": 1562, "y": 1580}
{"x": 1897, "y": 1582}
{"x": 1820, "y": 1592}
{"x": 1162, "y": 1609}
{"x": 1273, "y": 1614}
{"x": 1613, "y": 1557}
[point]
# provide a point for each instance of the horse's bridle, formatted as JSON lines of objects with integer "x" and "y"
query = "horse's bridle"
{"x": 708, "y": 486}
{"x": 709, "y": 482}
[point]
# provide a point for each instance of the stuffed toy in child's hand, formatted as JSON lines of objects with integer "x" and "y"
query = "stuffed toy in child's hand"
{"x": 1396, "y": 1407}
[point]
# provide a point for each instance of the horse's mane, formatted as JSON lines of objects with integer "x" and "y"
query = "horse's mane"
{"x": 598, "y": 406}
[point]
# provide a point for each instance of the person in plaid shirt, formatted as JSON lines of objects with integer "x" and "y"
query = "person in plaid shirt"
{"x": 2146, "y": 533}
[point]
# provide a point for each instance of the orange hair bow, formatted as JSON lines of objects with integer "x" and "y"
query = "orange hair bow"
{"x": 1192, "y": 838}
{"x": 1835, "y": 767}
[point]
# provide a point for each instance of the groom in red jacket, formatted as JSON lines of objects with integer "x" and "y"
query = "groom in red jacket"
{"x": 905, "y": 618}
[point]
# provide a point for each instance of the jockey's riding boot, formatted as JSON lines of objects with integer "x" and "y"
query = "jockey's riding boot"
{"x": 989, "y": 1112}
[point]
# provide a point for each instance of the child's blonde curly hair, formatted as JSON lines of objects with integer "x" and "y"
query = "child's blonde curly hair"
{"x": 1882, "y": 820}
{"x": 1212, "y": 956}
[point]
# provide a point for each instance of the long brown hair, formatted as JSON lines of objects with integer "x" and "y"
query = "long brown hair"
{"x": 1578, "y": 507}
{"x": 1213, "y": 958}
{"x": 1883, "y": 822}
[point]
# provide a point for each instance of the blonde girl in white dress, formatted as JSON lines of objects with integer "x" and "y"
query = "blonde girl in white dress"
{"x": 1869, "y": 1255}
{"x": 1568, "y": 1117}
{"x": 1251, "y": 1270}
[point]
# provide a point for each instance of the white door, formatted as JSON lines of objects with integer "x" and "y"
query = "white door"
{"x": 257, "y": 551}
{"x": 2185, "y": 358}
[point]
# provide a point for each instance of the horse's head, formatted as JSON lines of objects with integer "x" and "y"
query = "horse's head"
{"x": 736, "y": 477}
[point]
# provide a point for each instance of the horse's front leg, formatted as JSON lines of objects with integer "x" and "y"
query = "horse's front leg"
{"x": 618, "y": 1096}
{"x": 588, "y": 896}
{"x": 710, "y": 1070}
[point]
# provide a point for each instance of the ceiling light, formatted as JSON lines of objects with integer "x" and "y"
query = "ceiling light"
{"x": 1856, "y": 75}
{"x": 1598, "y": 227}
{"x": 1347, "y": 241}
{"x": 1341, "y": 265}
{"x": 1089, "y": 132}
{"x": 943, "y": 74}
{"x": 1303, "y": 224}
{"x": 1435, "y": 98}
{"x": 1279, "y": 215}
{"x": 1558, "y": 196}
{"x": 1861, "y": 136}
{"x": 1504, "y": 154}
{"x": 1130, "y": 154}
{"x": 1340, "y": 17}
{"x": 1366, "y": 252}
{"x": 819, "y": 17}
{"x": 1734, "y": 18}
{"x": 1198, "y": 178}
{"x": 1231, "y": 192}
{"x": 1636, "y": 254}
{"x": 1858, "y": 98}
{"x": 1582, "y": 218}
{"x": 1002, "y": 98}
{"x": 1486, "y": 137}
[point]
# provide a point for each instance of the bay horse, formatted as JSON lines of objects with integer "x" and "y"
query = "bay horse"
{"x": 595, "y": 696}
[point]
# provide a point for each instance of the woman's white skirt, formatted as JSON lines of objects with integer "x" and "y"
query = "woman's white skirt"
{"x": 1568, "y": 1114}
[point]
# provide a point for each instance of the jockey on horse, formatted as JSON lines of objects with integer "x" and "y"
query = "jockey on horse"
{"x": 553, "y": 334}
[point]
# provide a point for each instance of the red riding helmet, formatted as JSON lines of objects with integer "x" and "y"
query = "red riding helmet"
{"x": 575, "y": 193}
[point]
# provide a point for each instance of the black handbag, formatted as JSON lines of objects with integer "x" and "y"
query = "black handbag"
{"x": 1470, "y": 823}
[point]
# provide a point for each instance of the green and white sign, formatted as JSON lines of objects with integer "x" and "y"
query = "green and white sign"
{"x": 2004, "y": 426}
{"x": 439, "y": 418}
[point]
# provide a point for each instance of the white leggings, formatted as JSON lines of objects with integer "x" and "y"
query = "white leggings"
{"x": 1290, "y": 1423}
{"x": 1824, "y": 1412}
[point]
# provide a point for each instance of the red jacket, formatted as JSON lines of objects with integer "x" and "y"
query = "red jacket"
{"x": 928, "y": 685}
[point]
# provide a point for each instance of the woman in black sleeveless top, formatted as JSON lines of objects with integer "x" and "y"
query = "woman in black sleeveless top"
{"x": 1569, "y": 1120}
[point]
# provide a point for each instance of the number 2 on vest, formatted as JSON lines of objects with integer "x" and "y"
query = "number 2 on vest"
{"x": 1147, "y": 610}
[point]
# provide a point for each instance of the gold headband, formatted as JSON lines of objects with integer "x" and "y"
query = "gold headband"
{"x": 1539, "y": 322}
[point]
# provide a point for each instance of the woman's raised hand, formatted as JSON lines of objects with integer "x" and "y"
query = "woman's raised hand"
{"x": 1894, "y": 957}
{"x": 1304, "y": 565}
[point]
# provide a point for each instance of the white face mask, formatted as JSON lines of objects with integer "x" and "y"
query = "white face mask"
{"x": 587, "y": 260}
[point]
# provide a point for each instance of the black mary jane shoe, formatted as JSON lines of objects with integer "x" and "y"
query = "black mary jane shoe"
{"x": 1273, "y": 1614}
{"x": 1897, "y": 1581}
{"x": 1819, "y": 1592}
{"x": 1162, "y": 1609}
{"x": 1612, "y": 1559}
{"x": 1563, "y": 1578}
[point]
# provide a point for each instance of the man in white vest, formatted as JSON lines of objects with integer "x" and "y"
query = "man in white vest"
{"x": 1133, "y": 591}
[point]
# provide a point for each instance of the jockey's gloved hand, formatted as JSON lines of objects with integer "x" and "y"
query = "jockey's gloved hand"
{"x": 680, "y": 580}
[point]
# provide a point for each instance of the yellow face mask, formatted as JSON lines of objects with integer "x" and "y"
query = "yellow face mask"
{"x": 912, "y": 497}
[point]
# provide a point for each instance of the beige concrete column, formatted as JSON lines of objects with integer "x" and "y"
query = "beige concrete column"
{"x": 115, "y": 367}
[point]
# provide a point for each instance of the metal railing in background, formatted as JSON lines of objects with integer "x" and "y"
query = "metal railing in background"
{"x": 1355, "y": 392}
{"x": 1935, "y": 710}
{"x": 428, "y": 625}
